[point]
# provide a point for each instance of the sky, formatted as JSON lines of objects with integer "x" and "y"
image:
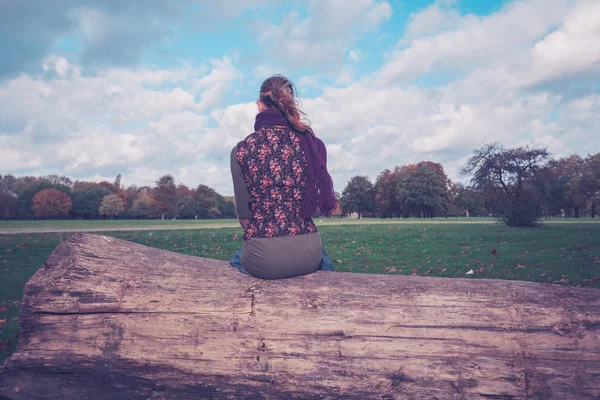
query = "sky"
{"x": 143, "y": 88}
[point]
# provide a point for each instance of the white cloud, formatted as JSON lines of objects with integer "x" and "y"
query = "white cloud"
{"x": 323, "y": 38}
{"x": 572, "y": 49}
{"x": 117, "y": 121}
{"x": 498, "y": 39}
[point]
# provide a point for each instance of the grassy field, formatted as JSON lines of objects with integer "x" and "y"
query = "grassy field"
{"x": 558, "y": 253}
{"x": 42, "y": 226}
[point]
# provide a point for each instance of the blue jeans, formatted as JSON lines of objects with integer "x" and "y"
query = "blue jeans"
{"x": 326, "y": 263}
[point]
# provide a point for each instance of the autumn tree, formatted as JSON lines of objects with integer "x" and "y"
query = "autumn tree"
{"x": 386, "y": 193}
{"x": 51, "y": 203}
{"x": 141, "y": 206}
{"x": 514, "y": 173}
{"x": 185, "y": 202}
{"x": 358, "y": 196}
{"x": 30, "y": 188}
{"x": 164, "y": 197}
{"x": 111, "y": 206}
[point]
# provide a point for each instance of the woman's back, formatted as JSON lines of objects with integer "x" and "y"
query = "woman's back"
{"x": 275, "y": 170}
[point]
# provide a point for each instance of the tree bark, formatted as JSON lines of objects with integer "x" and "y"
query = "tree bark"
{"x": 108, "y": 319}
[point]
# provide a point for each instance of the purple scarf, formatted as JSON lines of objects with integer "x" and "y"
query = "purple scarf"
{"x": 319, "y": 186}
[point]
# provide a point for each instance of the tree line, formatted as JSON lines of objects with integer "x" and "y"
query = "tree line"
{"x": 518, "y": 185}
{"x": 57, "y": 197}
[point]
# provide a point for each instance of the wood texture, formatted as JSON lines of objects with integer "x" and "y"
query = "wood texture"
{"x": 109, "y": 319}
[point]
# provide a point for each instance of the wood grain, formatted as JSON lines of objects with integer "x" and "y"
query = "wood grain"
{"x": 109, "y": 319}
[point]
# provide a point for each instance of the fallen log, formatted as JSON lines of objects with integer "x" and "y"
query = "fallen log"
{"x": 108, "y": 319}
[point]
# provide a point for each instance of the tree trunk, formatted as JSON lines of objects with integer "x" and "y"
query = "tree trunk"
{"x": 109, "y": 319}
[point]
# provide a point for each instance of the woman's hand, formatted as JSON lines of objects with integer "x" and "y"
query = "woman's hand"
{"x": 243, "y": 223}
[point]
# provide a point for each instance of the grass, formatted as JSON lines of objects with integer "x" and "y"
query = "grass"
{"x": 556, "y": 253}
{"x": 149, "y": 224}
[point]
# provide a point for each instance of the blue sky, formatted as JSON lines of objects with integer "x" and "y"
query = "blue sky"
{"x": 142, "y": 88}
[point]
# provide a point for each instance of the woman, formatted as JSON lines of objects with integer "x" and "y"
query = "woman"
{"x": 280, "y": 180}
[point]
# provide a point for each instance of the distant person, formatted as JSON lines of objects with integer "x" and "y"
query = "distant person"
{"x": 280, "y": 181}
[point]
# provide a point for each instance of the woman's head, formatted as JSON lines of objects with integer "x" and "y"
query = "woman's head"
{"x": 278, "y": 91}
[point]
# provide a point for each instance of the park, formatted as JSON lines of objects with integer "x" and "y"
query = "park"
{"x": 324, "y": 199}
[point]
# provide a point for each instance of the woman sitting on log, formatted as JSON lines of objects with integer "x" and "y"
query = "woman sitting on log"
{"x": 280, "y": 181}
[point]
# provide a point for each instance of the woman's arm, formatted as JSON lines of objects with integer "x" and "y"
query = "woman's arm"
{"x": 239, "y": 190}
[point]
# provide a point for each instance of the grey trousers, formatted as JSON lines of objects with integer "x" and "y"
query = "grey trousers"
{"x": 282, "y": 257}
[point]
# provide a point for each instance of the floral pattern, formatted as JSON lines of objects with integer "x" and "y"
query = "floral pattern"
{"x": 275, "y": 171}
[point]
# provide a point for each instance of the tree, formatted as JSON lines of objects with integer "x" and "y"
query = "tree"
{"x": 205, "y": 202}
{"x": 386, "y": 189}
{"x": 587, "y": 184}
{"x": 141, "y": 206}
{"x": 515, "y": 173}
{"x": 29, "y": 189}
{"x": 51, "y": 203}
{"x": 424, "y": 190}
{"x": 558, "y": 186}
{"x": 228, "y": 210}
{"x": 86, "y": 203}
{"x": 164, "y": 197}
{"x": 111, "y": 206}
{"x": 358, "y": 196}
{"x": 470, "y": 201}
{"x": 9, "y": 201}
{"x": 185, "y": 202}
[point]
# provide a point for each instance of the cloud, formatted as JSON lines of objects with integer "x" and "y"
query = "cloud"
{"x": 502, "y": 38}
{"x": 106, "y": 32}
{"x": 322, "y": 38}
{"x": 117, "y": 121}
{"x": 571, "y": 50}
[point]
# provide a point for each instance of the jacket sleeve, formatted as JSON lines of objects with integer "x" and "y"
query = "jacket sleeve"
{"x": 240, "y": 190}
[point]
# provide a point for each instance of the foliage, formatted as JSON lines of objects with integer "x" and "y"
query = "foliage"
{"x": 9, "y": 201}
{"x": 424, "y": 190}
{"x": 141, "y": 206}
{"x": 358, "y": 196}
{"x": 30, "y": 189}
{"x": 111, "y": 206}
{"x": 514, "y": 172}
{"x": 386, "y": 189}
{"x": 470, "y": 201}
{"x": 205, "y": 202}
{"x": 164, "y": 197}
{"x": 51, "y": 203}
{"x": 86, "y": 203}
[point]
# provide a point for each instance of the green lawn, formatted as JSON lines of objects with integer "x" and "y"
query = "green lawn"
{"x": 560, "y": 253}
{"x": 83, "y": 225}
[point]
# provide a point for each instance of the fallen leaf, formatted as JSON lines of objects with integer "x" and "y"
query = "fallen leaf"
{"x": 519, "y": 266}
{"x": 444, "y": 270}
{"x": 2, "y": 322}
